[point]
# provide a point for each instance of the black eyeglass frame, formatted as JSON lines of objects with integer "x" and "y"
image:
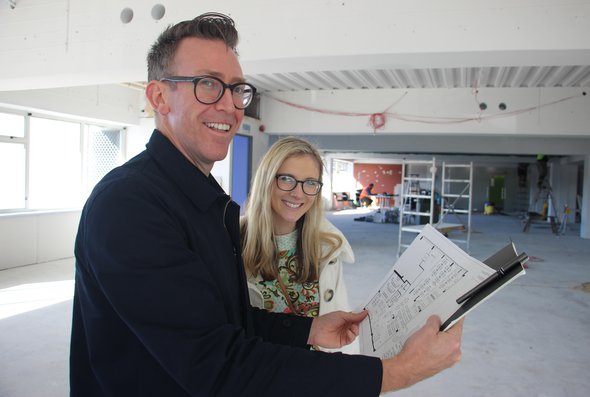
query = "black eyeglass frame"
{"x": 297, "y": 182}
{"x": 195, "y": 80}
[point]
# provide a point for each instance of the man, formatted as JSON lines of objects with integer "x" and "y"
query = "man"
{"x": 541, "y": 169}
{"x": 160, "y": 304}
{"x": 365, "y": 196}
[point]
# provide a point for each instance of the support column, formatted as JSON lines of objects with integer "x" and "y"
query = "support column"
{"x": 327, "y": 180}
{"x": 585, "y": 221}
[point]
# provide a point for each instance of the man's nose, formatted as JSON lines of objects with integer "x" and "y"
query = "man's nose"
{"x": 226, "y": 102}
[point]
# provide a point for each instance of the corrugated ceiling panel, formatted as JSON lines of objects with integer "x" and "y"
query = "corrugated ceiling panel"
{"x": 495, "y": 77}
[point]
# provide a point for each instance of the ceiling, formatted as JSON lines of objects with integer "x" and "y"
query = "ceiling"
{"x": 472, "y": 77}
{"x": 348, "y": 55}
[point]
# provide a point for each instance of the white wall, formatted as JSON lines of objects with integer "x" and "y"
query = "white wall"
{"x": 37, "y": 237}
{"x": 114, "y": 104}
{"x": 137, "y": 136}
{"x": 437, "y": 112}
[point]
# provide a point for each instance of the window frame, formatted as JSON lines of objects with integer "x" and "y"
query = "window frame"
{"x": 84, "y": 128}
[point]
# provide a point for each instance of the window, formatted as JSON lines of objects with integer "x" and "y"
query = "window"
{"x": 12, "y": 175}
{"x": 55, "y": 164}
{"x": 47, "y": 163}
{"x": 12, "y": 125}
{"x": 104, "y": 152}
{"x": 12, "y": 160}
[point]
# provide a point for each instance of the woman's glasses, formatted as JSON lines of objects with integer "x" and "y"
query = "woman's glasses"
{"x": 287, "y": 183}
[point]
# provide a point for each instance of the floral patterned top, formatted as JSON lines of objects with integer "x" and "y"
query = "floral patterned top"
{"x": 305, "y": 297}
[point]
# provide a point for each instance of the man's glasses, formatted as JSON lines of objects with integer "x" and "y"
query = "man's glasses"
{"x": 209, "y": 89}
{"x": 287, "y": 183}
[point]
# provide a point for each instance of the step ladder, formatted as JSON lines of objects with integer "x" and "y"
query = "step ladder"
{"x": 545, "y": 195}
{"x": 456, "y": 195}
{"x": 417, "y": 199}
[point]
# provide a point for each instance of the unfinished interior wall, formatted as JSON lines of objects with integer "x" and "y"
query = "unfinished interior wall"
{"x": 383, "y": 176}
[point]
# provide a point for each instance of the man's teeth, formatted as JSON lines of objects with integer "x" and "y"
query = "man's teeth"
{"x": 292, "y": 205}
{"x": 218, "y": 126}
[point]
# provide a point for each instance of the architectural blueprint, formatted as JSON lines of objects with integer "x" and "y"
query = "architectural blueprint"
{"x": 426, "y": 279}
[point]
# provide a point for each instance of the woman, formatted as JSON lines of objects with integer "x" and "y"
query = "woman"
{"x": 292, "y": 254}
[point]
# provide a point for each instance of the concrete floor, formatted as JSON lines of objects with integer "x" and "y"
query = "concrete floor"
{"x": 531, "y": 339}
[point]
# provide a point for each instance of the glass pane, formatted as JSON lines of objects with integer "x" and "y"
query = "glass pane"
{"x": 342, "y": 176}
{"x": 12, "y": 125}
{"x": 12, "y": 176}
{"x": 104, "y": 153}
{"x": 55, "y": 164}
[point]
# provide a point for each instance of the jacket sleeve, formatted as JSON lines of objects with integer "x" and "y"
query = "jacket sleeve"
{"x": 332, "y": 283}
{"x": 282, "y": 328}
{"x": 160, "y": 296}
{"x": 256, "y": 299}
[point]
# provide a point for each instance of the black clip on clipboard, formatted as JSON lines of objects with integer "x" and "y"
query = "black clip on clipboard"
{"x": 496, "y": 280}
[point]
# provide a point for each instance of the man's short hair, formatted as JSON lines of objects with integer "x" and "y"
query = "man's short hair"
{"x": 209, "y": 26}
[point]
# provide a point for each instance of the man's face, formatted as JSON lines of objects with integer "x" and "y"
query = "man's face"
{"x": 202, "y": 133}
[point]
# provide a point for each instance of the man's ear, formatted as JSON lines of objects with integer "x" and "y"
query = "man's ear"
{"x": 154, "y": 93}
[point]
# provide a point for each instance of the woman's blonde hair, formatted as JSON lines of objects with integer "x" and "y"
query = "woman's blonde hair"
{"x": 259, "y": 248}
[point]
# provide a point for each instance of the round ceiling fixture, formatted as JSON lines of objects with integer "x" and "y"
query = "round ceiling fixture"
{"x": 126, "y": 15}
{"x": 158, "y": 12}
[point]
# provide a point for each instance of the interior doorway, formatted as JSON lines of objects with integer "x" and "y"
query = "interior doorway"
{"x": 497, "y": 191}
{"x": 241, "y": 169}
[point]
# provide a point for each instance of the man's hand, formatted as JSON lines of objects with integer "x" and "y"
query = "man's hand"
{"x": 426, "y": 353}
{"x": 335, "y": 329}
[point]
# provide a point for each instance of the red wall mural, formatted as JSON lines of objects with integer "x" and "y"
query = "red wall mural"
{"x": 383, "y": 176}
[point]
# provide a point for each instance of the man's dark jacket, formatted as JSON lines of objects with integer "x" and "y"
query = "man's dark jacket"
{"x": 160, "y": 304}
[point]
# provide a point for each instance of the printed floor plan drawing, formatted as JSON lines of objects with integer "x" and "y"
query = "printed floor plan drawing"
{"x": 404, "y": 296}
{"x": 429, "y": 268}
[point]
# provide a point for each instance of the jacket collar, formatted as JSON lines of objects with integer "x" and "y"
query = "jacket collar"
{"x": 203, "y": 190}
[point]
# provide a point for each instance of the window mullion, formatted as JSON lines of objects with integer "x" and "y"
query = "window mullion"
{"x": 27, "y": 142}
